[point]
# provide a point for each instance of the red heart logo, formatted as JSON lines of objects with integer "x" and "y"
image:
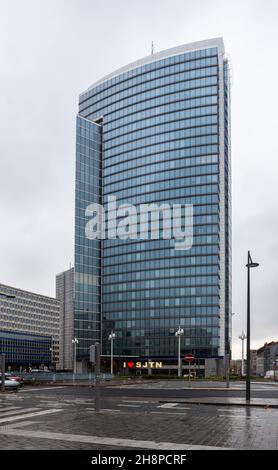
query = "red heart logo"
{"x": 130, "y": 364}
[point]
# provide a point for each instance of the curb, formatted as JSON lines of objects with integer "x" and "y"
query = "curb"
{"x": 105, "y": 383}
{"x": 212, "y": 389}
{"x": 197, "y": 402}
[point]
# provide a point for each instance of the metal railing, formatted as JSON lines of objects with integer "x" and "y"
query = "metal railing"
{"x": 60, "y": 376}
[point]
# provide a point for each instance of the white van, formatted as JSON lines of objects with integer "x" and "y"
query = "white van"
{"x": 271, "y": 374}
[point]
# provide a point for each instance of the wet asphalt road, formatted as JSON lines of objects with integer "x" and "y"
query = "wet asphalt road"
{"x": 168, "y": 390}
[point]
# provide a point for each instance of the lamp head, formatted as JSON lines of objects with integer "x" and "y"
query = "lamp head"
{"x": 252, "y": 265}
{"x": 179, "y": 332}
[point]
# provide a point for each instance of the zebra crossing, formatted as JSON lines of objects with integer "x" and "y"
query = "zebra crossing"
{"x": 256, "y": 387}
{"x": 10, "y": 414}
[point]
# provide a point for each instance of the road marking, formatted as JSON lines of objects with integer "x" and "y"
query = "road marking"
{"x": 239, "y": 410}
{"x": 102, "y": 409}
{"x": 108, "y": 409}
{"x": 228, "y": 410}
{"x": 167, "y": 405}
{"x": 21, "y": 410}
{"x": 130, "y": 406}
{"x": 39, "y": 389}
{"x": 136, "y": 401}
{"x": 9, "y": 408}
{"x": 254, "y": 387}
{"x": 109, "y": 441}
{"x": 173, "y": 405}
{"x": 261, "y": 389}
{"x": 239, "y": 416}
{"x": 182, "y": 408}
{"x": 28, "y": 415}
{"x": 168, "y": 413}
{"x": 22, "y": 424}
{"x": 233, "y": 416}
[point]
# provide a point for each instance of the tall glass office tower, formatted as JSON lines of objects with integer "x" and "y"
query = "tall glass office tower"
{"x": 157, "y": 131}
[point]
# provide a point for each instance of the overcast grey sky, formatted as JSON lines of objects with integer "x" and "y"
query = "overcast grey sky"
{"x": 51, "y": 50}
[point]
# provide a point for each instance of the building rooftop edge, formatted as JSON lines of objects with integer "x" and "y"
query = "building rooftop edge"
{"x": 217, "y": 42}
{"x": 27, "y": 292}
{"x": 72, "y": 268}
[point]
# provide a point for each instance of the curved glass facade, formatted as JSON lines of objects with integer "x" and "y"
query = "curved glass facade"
{"x": 162, "y": 132}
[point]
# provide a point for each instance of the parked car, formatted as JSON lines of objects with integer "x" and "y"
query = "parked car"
{"x": 16, "y": 378}
{"x": 11, "y": 385}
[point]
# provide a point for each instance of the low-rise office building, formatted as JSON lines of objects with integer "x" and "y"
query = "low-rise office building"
{"x": 29, "y": 328}
{"x": 267, "y": 358}
{"x": 253, "y": 361}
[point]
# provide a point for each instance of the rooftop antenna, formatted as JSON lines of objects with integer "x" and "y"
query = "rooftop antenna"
{"x": 152, "y": 50}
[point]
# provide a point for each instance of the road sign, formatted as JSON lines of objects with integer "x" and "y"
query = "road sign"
{"x": 93, "y": 354}
{"x": 189, "y": 357}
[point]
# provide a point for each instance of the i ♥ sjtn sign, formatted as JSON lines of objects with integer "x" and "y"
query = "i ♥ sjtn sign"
{"x": 143, "y": 365}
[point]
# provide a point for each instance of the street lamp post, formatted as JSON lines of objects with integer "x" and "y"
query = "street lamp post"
{"x": 2, "y": 358}
{"x": 75, "y": 343}
{"x": 242, "y": 337}
{"x": 274, "y": 368}
{"x": 178, "y": 334}
{"x": 228, "y": 354}
{"x": 7, "y": 296}
{"x": 232, "y": 314}
{"x": 249, "y": 265}
{"x": 111, "y": 338}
